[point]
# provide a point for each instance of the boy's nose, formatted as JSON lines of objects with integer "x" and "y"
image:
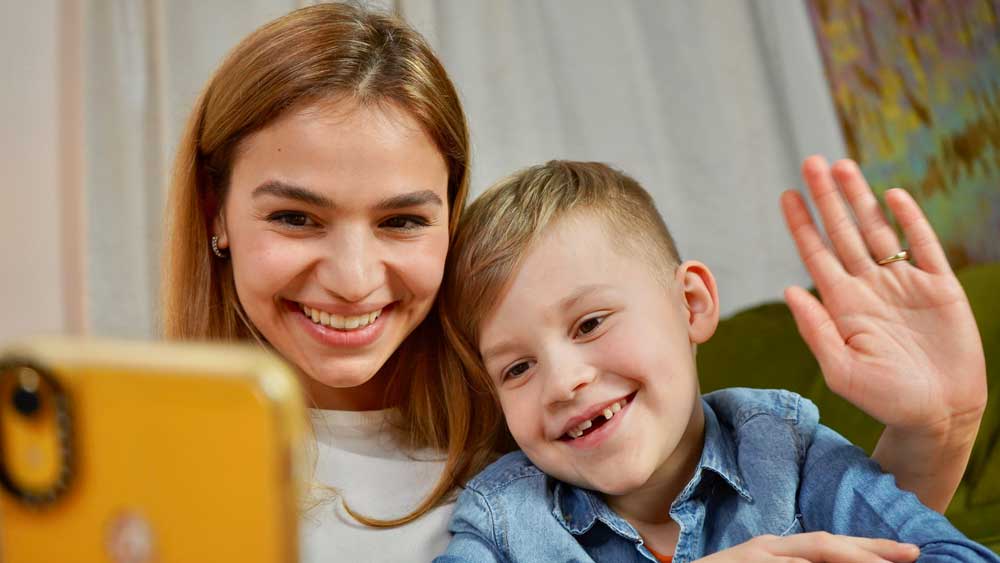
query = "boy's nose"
{"x": 566, "y": 379}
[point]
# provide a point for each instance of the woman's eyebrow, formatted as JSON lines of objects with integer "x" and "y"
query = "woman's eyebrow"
{"x": 290, "y": 191}
{"x": 411, "y": 199}
{"x": 281, "y": 189}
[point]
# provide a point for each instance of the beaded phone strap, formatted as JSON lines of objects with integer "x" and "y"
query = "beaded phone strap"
{"x": 20, "y": 370}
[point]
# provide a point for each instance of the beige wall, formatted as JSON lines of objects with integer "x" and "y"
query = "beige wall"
{"x": 40, "y": 234}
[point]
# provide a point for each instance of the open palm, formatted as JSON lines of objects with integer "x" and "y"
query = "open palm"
{"x": 897, "y": 340}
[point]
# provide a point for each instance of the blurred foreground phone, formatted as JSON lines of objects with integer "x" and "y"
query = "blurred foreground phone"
{"x": 148, "y": 452}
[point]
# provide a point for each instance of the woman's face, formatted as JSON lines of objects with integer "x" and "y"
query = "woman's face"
{"x": 337, "y": 225}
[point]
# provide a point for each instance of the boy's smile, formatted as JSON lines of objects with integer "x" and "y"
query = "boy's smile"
{"x": 588, "y": 430}
{"x": 591, "y": 353}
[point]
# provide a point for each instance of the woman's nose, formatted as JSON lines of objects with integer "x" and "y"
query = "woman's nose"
{"x": 351, "y": 269}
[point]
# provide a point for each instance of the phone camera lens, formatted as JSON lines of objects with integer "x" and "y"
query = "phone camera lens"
{"x": 26, "y": 402}
{"x": 26, "y": 398}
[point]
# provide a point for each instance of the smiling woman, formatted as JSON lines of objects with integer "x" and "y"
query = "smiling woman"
{"x": 335, "y": 215}
{"x": 316, "y": 188}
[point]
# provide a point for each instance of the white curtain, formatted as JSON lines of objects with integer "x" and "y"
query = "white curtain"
{"x": 710, "y": 104}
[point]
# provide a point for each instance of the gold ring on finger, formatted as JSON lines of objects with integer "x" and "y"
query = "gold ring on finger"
{"x": 901, "y": 255}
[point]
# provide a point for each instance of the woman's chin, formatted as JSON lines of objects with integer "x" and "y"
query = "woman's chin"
{"x": 348, "y": 386}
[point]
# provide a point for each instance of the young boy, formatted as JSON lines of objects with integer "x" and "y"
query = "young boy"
{"x": 567, "y": 298}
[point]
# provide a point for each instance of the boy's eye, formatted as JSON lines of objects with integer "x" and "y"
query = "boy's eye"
{"x": 589, "y": 325}
{"x": 405, "y": 222}
{"x": 292, "y": 219}
{"x": 516, "y": 370}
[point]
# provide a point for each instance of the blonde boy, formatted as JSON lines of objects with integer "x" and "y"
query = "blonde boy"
{"x": 566, "y": 296}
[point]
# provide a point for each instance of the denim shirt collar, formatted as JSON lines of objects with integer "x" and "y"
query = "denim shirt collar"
{"x": 577, "y": 509}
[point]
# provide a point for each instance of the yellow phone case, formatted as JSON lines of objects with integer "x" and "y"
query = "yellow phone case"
{"x": 143, "y": 452}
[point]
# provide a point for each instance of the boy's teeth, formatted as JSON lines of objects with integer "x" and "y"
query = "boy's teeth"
{"x": 608, "y": 414}
{"x": 339, "y": 322}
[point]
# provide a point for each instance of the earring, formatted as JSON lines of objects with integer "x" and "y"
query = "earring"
{"x": 215, "y": 247}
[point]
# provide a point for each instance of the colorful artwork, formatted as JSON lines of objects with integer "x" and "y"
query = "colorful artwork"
{"x": 916, "y": 85}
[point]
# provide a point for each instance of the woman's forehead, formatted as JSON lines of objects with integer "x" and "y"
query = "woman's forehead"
{"x": 342, "y": 150}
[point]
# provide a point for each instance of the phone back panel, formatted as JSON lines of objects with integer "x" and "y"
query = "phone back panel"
{"x": 177, "y": 453}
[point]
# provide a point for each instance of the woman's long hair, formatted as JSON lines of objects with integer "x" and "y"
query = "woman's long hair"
{"x": 323, "y": 52}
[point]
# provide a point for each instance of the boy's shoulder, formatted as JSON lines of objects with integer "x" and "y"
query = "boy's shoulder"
{"x": 735, "y": 407}
{"x": 510, "y": 469}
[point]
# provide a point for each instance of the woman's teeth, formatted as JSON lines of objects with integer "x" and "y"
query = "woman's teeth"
{"x": 608, "y": 413}
{"x": 338, "y": 322}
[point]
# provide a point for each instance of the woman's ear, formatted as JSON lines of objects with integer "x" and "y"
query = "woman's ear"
{"x": 219, "y": 230}
{"x": 701, "y": 299}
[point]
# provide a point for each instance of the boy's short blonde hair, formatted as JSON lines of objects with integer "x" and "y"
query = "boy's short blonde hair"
{"x": 498, "y": 229}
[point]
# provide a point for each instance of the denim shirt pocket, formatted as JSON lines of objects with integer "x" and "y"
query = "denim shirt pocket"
{"x": 794, "y": 528}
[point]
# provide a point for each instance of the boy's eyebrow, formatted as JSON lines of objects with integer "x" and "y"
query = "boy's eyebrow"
{"x": 564, "y": 304}
{"x": 285, "y": 190}
{"x": 581, "y": 292}
{"x": 497, "y": 349}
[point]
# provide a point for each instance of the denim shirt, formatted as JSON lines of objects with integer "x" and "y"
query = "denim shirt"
{"x": 767, "y": 467}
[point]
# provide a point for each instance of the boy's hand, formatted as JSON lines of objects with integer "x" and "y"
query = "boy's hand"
{"x": 897, "y": 340}
{"x": 816, "y": 547}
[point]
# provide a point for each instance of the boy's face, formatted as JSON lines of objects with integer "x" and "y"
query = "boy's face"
{"x": 584, "y": 331}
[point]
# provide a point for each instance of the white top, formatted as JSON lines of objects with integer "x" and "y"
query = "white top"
{"x": 356, "y": 454}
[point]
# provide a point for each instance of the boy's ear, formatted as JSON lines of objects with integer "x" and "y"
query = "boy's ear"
{"x": 701, "y": 299}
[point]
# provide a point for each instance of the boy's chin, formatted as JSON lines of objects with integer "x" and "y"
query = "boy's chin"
{"x": 613, "y": 484}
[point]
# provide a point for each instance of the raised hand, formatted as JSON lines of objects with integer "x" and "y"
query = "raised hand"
{"x": 815, "y": 547}
{"x": 897, "y": 340}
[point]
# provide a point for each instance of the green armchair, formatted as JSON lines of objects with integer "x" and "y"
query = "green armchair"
{"x": 760, "y": 347}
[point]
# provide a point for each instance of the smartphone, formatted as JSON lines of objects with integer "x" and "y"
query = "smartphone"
{"x": 148, "y": 452}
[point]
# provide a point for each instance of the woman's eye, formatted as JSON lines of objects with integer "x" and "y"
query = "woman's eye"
{"x": 516, "y": 370}
{"x": 405, "y": 222}
{"x": 289, "y": 219}
{"x": 590, "y": 325}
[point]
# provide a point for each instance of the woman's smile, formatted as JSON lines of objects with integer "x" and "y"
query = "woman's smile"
{"x": 355, "y": 331}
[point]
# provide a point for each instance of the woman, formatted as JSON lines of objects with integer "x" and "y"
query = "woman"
{"x": 317, "y": 185}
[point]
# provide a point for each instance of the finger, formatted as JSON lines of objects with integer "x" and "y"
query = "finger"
{"x": 820, "y": 333}
{"x": 824, "y": 549}
{"x": 840, "y": 226}
{"x": 888, "y": 549}
{"x": 822, "y": 265}
{"x": 877, "y": 232}
{"x": 829, "y": 548}
{"x": 924, "y": 245}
